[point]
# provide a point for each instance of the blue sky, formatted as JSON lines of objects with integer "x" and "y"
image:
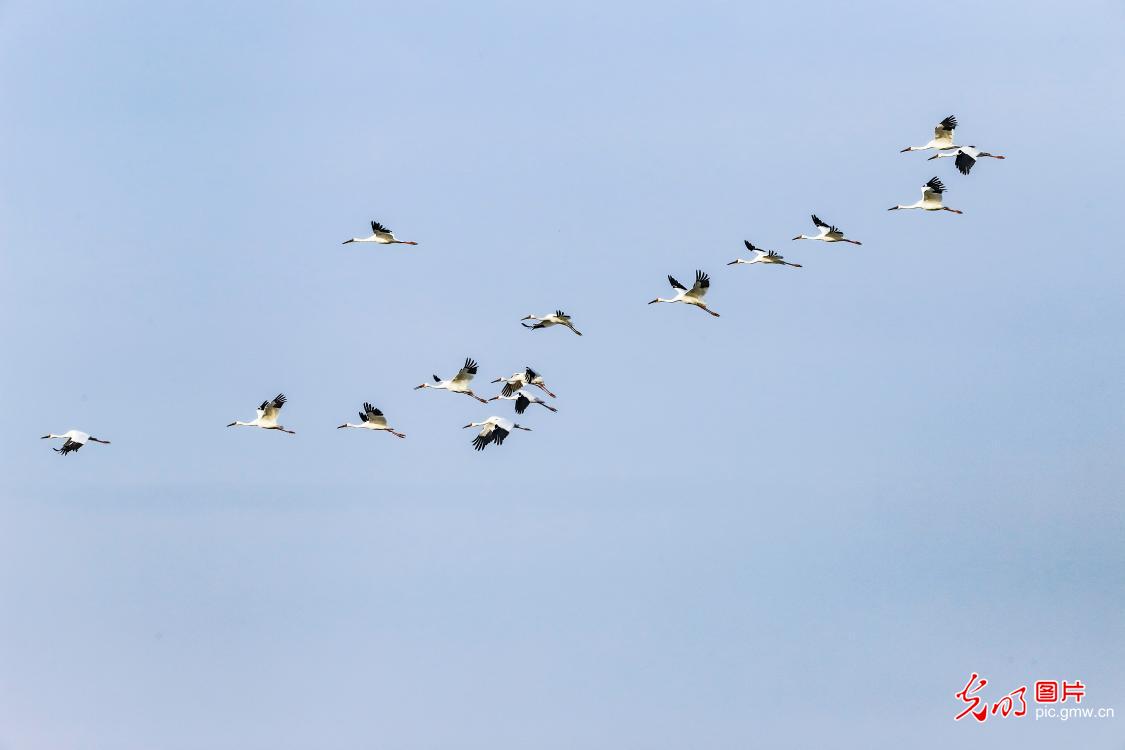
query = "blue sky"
{"x": 901, "y": 463}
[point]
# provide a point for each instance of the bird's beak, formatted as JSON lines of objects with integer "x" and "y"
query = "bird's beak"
{"x": 905, "y": 150}
{"x": 797, "y": 237}
{"x": 342, "y": 426}
{"x": 492, "y": 399}
{"x": 932, "y": 157}
{"x": 733, "y": 263}
{"x": 44, "y": 437}
{"x": 654, "y": 302}
{"x": 419, "y": 386}
{"x": 232, "y": 424}
{"x": 496, "y": 381}
{"x": 466, "y": 426}
{"x": 526, "y": 317}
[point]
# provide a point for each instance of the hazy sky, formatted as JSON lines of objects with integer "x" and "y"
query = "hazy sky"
{"x": 802, "y": 524}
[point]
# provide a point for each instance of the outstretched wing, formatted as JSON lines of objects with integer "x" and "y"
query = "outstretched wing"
{"x": 522, "y": 402}
{"x": 964, "y": 162}
{"x": 376, "y": 227}
{"x": 498, "y": 435}
{"x": 561, "y": 315}
{"x": 816, "y": 220}
{"x": 934, "y": 186}
{"x": 269, "y": 409}
{"x": 486, "y": 436}
{"x": 945, "y": 128}
{"x": 701, "y": 285}
{"x": 511, "y": 386}
{"x": 750, "y": 246}
{"x": 371, "y": 415}
{"x": 466, "y": 373}
{"x": 675, "y": 284}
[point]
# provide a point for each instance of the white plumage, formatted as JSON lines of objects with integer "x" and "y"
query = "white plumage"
{"x": 72, "y": 441}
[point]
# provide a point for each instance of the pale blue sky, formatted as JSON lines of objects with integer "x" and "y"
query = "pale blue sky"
{"x": 904, "y": 462}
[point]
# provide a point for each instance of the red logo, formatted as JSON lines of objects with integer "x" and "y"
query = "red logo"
{"x": 1015, "y": 703}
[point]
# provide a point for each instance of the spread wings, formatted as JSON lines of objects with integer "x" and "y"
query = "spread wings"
{"x": 701, "y": 285}
{"x": 945, "y": 128}
{"x": 467, "y": 372}
{"x": 269, "y": 409}
{"x": 371, "y": 415}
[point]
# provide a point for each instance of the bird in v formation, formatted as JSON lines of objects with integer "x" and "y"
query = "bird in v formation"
{"x": 495, "y": 430}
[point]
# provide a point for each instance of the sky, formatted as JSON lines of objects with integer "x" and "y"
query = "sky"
{"x": 802, "y": 524}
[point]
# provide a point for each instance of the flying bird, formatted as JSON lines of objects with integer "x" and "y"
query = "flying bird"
{"x": 943, "y": 137}
{"x": 693, "y": 296}
{"x": 381, "y": 235}
{"x": 931, "y": 198}
{"x": 519, "y": 379}
{"x": 459, "y": 383}
{"x": 267, "y": 416}
{"x": 828, "y": 233}
{"x": 372, "y": 419}
{"x": 72, "y": 441}
{"x": 763, "y": 256}
{"x": 523, "y": 400}
{"x": 965, "y": 157}
{"x": 546, "y": 321}
{"x": 493, "y": 430}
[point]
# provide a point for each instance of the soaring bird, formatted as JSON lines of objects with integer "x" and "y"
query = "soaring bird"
{"x": 931, "y": 198}
{"x": 523, "y": 400}
{"x": 381, "y": 236}
{"x": 763, "y": 256}
{"x": 518, "y": 380}
{"x": 459, "y": 383}
{"x": 828, "y": 233}
{"x": 493, "y": 430}
{"x": 965, "y": 157}
{"x": 372, "y": 419}
{"x": 943, "y": 137}
{"x": 267, "y": 416}
{"x": 693, "y": 296}
{"x": 72, "y": 441}
{"x": 546, "y": 321}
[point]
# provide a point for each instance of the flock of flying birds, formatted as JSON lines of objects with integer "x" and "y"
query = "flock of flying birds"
{"x": 496, "y": 429}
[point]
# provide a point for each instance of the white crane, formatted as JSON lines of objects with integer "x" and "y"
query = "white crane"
{"x": 72, "y": 441}
{"x": 828, "y": 233}
{"x": 943, "y": 137}
{"x": 459, "y": 383}
{"x": 267, "y": 416}
{"x": 381, "y": 235}
{"x": 493, "y": 430}
{"x": 931, "y": 199}
{"x": 372, "y": 419}
{"x": 519, "y": 379}
{"x": 763, "y": 256}
{"x": 693, "y": 296}
{"x": 546, "y": 321}
{"x": 965, "y": 157}
{"x": 523, "y": 400}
